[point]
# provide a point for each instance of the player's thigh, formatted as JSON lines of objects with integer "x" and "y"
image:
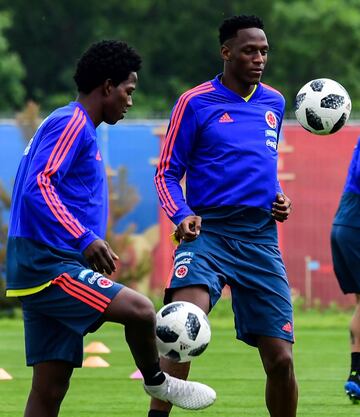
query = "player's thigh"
{"x": 345, "y": 249}
{"x": 196, "y": 294}
{"x": 57, "y": 318}
{"x": 129, "y": 306}
{"x": 47, "y": 339}
{"x": 261, "y": 297}
{"x": 198, "y": 272}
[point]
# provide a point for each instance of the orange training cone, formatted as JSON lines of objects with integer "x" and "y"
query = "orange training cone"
{"x": 4, "y": 375}
{"x": 96, "y": 347}
{"x": 95, "y": 362}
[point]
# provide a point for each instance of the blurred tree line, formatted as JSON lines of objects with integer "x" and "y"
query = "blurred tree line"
{"x": 41, "y": 40}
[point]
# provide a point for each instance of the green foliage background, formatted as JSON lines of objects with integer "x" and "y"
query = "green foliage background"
{"x": 42, "y": 39}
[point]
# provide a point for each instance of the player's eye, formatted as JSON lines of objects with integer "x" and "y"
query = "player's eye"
{"x": 255, "y": 51}
{"x": 249, "y": 51}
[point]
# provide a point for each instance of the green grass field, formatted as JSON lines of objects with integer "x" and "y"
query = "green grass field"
{"x": 231, "y": 367}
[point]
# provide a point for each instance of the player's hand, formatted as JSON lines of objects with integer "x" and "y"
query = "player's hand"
{"x": 188, "y": 229}
{"x": 281, "y": 207}
{"x": 101, "y": 257}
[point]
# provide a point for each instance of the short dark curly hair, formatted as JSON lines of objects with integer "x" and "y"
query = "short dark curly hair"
{"x": 107, "y": 59}
{"x": 231, "y": 25}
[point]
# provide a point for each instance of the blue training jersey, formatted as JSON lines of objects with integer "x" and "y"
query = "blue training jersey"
{"x": 227, "y": 146}
{"x": 348, "y": 213}
{"x": 60, "y": 197}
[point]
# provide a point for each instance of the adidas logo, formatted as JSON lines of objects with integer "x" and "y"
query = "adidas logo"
{"x": 287, "y": 327}
{"x": 225, "y": 118}
{"x": 98, "y": 156}
{"x": 184, "y": 346}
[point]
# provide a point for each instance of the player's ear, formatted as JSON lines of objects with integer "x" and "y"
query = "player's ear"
{"x": 225, "y": 53}
{"x": 107, "y": 86}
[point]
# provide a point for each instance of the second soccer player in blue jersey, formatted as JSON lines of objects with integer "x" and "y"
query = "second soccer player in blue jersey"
{"x": 223, "y": 134}
{"x": 56, "y": 252}
{"x": 345, "y": 248}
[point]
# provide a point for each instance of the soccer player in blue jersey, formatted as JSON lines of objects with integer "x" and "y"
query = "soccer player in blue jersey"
{"x": 345, "y": 247}
{"x": 56, "y": 253}
{"x": 223, "y": 134}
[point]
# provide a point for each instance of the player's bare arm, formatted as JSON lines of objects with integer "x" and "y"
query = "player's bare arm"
{"x": 188, "y": 229}
{"x": 100, "y": 256}
{"x": 281, "y": 207}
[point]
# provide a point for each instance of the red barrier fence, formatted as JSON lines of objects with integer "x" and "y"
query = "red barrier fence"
{"x": 318, "y": 165}
{"x": 312, "y": 171}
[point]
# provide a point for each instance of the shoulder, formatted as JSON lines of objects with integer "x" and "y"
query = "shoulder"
{"x": 268, "y": 89}
{"x": 273, "y": 95}
{"x": 272, "y": 92}
{"x": 196, "y": 95}
{"x": 68, "y": 113}
{"x": 70, "y": 118}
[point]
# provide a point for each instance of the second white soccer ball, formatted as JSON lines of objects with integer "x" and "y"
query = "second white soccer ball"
{"x": 322, "y": 106}
{"x": 182, "y": 331}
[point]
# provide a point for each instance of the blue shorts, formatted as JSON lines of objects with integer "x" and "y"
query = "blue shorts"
{"x": 57, "y": 318}
{"x": 345, "y": 249}
{"x": 256, "y": 275}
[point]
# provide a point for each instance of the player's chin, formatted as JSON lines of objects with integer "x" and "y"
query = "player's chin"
{"x": 120, "y": 117}
{"x": 113, "y": 120}
{"x": 255, "y": 77}
{"x": 255, "y": 80}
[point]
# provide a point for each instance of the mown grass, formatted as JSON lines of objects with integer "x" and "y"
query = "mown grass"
{"x": 231, "y": 367}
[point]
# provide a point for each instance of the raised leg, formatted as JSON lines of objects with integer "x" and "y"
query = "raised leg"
{"x": 197, "y": 295}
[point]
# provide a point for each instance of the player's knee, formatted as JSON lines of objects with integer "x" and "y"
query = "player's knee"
{"x": 143, "y": 312}
{"x": 281, "y": 365}
{"x": 51, "y": 394}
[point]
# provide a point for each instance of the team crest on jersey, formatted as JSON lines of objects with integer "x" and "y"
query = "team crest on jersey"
{"x": 104, "y": 282}
{"x": 271, "y": 119}
{"x": 181, "y": 271}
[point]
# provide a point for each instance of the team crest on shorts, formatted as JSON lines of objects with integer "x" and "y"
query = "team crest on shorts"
{"x": 181, "y": 271}
{"x": 271, "y": 119}
{"x": 104, "y": 282}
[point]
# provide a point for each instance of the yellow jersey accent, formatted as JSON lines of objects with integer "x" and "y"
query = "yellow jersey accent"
{"x": 247, "y": 98}
{"x": 27, "y": 291}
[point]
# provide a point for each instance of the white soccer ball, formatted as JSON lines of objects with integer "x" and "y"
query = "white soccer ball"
{"x": 182, "y": 331}
{"x": 322, "y": 106}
